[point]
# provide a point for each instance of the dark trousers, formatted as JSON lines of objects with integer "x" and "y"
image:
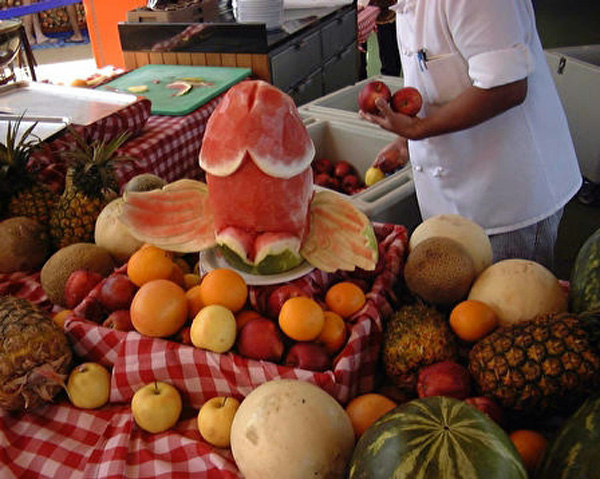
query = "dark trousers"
{"x": 388, "y": 52}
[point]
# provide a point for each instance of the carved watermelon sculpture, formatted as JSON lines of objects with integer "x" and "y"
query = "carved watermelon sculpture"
{"x": 258, "y": 204}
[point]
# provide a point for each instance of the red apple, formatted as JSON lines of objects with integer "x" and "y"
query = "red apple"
{"x": 323, "y": 179}
{"x": 407, "y": 101}
{"x": 445, "y": 378}
{"x": 119, "y": 320}
{"x": 487, "y": 406}
{"x": 342, "y": 169}
{"x": 78, "y": 286}
{"x": 371, "y": 92}
{"x": 350, "y": 183}
{"x": 117, "y": 292}
{"x": 260, "y": 339}
{"x": 322, "y": 165}
{"x": 311, "y": 356}
{"x": 184, "y": 336}
{"x": 281, "y": 295}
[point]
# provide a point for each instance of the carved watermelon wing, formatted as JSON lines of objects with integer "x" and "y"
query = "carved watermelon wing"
{"x": 340, "y": 236}
{"x": 175, "y": 218}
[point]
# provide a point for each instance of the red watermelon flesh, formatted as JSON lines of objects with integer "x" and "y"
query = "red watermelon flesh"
{"x": 258, "y": 209}
{"x": 255, "y": 117}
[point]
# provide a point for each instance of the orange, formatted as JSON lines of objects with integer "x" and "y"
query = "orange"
{"x": 345, "y": 298}
{"x": 159, "y": 308}
{"x": 149, "y": 263}
{"x": 365, "y": 409}
{"x": 80, "y": 82}
{"x": 194, "y": 301}
{"x": 225, "y": 287}
{"x": 334, "y": 332}
{"x": 60, "y": 317}
{"x": 177, "y": 275}
{"x": 471, "y": 320}
{"x": 530, "y": 445}
{"x": 244, "y": 316}
{"x": 301, "y": 318}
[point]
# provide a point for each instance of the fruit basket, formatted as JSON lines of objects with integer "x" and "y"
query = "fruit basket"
{"x": 199, "y": 374}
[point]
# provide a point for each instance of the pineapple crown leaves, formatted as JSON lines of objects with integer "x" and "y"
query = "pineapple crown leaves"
{"x": 91, "y": 163}
{"x": 16, "y": 150}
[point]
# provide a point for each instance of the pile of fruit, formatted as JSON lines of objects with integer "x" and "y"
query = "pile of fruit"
{"x": 339, "y": 176}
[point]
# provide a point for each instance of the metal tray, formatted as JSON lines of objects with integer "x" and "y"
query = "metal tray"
{"x": 81, "y": 106}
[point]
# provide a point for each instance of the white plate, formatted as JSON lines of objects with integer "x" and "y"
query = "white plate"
{"x": 213, "y": 259}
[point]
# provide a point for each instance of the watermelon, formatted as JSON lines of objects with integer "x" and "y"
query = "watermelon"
{"x": 434, "y": 438}
{"x": 574, "y": 452}
{"x": 584, "y": 293}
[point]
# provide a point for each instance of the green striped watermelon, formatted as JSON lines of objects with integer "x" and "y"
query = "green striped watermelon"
{"x": 584, "y": 294}
{"x": 435, "y": 438}
{"x": 575, "y": 451}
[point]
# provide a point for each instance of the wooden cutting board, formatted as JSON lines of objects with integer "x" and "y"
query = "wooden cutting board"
{"x": 164, "y": 102}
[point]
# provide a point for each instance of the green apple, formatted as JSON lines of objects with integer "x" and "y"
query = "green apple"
{"x": 214, "y": 328}
{"x": 156, "y": 406}
{"x": 88, "y": 386}
{"x": 215, "y": 419}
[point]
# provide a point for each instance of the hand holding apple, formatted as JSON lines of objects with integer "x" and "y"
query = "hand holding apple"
{"x": 156, "y": 406}
{"x": 370, "y": 93}
{"x": 215, "y": 419}
{"x": 88, "y": 386}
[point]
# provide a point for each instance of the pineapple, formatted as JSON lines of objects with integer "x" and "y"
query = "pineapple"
{"x": 417, "y": 335}
{"x": 90, "y": 185}
{"x": 34, "y": 355}
{"x": 537, "y": 367}
{"x": 21, "y": 194}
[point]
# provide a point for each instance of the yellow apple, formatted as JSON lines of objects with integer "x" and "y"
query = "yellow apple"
{"x": 373, "y": 175}
{"x": 215, "y": 419}
{"x": 156, "y": 406}
{"x": 214, "y": 328}
{"x": 88, "y": 386}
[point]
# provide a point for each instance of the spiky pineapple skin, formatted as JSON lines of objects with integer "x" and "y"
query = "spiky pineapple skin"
{"x": 36, "y": 201}
{"x": 537, "y": 367}
{"x": 73, "y": 219}
{"x": 32, "y": 350}
{"x": 416, "y": 335}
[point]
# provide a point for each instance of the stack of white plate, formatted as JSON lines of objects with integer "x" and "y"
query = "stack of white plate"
{"x": 269, "y": 12}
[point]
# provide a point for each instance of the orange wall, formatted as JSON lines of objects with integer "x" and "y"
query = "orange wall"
{"x": 102, "y": 17}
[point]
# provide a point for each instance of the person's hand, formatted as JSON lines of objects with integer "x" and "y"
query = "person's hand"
{"x": 403, "y": 125}
{"x": 393, "y": 156}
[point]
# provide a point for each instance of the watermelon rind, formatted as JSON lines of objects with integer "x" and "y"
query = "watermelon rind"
{"x": 435, "y": 437}
{"x": 574, "y": 452}
{"x": 584, "y": 291}
{"x": 270, "y": 264}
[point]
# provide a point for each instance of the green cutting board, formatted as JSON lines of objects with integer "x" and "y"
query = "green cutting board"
{"x": 157, "y": 77}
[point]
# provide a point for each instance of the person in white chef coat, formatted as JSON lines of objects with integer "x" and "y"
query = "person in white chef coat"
{"x": 491, "y": 142}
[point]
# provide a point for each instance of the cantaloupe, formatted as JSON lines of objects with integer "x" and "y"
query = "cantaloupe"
{"x": 440, "y": 271}
{"x": 466, "y": 232}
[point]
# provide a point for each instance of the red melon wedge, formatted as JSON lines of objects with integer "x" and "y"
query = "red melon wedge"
{"x": 175, "y": 218}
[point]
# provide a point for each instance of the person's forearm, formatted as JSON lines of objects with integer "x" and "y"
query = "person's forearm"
{"x": 470, "y": 108}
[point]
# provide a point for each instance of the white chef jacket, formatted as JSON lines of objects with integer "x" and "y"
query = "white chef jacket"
{"x": 515, "y": 169}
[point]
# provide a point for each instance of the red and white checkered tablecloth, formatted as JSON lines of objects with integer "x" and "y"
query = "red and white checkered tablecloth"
{"x": 59, "y": 440}
{"x": 167, "y": 146}
{"x": 366, "y": 23}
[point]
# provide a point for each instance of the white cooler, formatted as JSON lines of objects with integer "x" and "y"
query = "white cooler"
{"x": 392, "y": 200}
{"x": 576, "y": 72}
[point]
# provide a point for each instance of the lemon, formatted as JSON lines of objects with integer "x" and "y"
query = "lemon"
{"x": 373, "y": 175}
